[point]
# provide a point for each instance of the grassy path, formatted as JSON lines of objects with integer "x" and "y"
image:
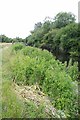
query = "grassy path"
{"x": 11, "y": 105}
{"x": 0, "y": 82}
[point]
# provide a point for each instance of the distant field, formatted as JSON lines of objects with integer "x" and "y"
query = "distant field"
{"x": 5, "y": 44}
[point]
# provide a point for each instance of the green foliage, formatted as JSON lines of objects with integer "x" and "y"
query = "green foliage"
{"x": 18, "y": 46}
{"x": 72, "y": 70}
{"x": 11, "y": 105}
{"x": 32, "y": 111}
{"x": 3, "y": 38}
{"x": 61, "y": 37}
{"x": 63, "y": 18}
{"x": 31, "y": 65}
{"x": 6, "y": 39}
{"x": 34, "y": 52}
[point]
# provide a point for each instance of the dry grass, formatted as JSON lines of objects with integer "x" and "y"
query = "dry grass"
{"x": 5, "y": 44}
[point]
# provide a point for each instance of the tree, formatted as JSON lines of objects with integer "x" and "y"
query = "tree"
{"x": 66, "y": 40}
{"x": 63, "y": 18}
{"x": 3, "y": 38}
{"x": 38, "y": 25}
{"x": 60, "y": 37}
{"x": 79, "y": 50}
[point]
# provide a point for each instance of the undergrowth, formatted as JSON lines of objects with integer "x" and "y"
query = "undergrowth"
{"x": 12, "y": 106}
{"x": 31, "y": 65}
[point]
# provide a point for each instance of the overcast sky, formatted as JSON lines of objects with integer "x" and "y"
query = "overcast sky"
{"x": 17, "y": 17}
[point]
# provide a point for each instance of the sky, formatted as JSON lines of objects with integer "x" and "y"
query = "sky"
{"x": 18, "y": 17}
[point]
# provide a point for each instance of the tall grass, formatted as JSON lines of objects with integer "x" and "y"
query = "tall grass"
{"x": 13, "y": 106}
{"x": 0, "y": 81}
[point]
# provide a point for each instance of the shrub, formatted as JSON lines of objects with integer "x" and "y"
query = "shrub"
{"x": 18, "y": 46}
{"x": 34, "y": 52}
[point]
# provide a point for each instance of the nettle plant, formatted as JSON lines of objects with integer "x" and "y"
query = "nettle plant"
{"x": 31, "y": 65}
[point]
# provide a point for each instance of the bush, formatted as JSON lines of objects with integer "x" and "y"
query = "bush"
{"x": 18, "y": 46}
{"x": 34, "y": 52}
